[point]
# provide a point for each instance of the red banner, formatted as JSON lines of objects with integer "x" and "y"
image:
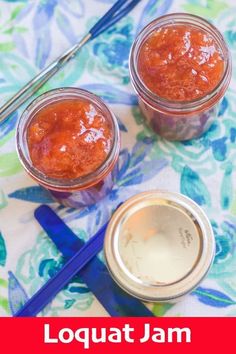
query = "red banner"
{"x": 131, "y": 335}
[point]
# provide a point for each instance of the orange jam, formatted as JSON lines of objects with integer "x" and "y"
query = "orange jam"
{"x": 180, "y": 62}
{"x": 69, "y": 139}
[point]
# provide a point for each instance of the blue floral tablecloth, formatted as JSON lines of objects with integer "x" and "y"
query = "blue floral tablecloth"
{"x": 33, "y": 33}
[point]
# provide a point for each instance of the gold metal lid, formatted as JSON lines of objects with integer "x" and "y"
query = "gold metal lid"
{"x": 159, "y": 245}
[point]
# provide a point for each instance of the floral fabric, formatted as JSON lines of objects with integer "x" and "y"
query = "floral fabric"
{"x": 32, "y": 34}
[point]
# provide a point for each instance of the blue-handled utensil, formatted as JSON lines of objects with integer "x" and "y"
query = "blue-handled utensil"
{"x": 45, "y": 294}
{"x": 93, "y": 271}
{"x": 94, "y": 274}
{"x": 116, "y": 12}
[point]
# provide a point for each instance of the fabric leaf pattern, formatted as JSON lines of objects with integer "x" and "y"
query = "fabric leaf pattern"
{"x": 213, "y": 297}
{"x": 35, "y": 194}
{"x": 203, "y": 169}
{"x": 16, "y": 293}
{"x": 3, "y": 251}
{"x": 193, "y": 187}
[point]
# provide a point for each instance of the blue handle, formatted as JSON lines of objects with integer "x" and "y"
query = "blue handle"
{"x": 95, "y": 274}
{"x": 116, "y": 12}
{"x": 45, "y": 294}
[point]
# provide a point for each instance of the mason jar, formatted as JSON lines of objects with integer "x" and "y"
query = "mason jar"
{"x": 72, "y": 192}
{"x": 175, "y": 119}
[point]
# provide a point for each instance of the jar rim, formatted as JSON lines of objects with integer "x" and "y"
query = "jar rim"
{"x": 60, "y": 184}
{"x": 150, "y": 97}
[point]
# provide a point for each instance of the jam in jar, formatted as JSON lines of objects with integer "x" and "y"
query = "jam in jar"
{"x": 180, "y": 68}
{"x": 68, "y": 141}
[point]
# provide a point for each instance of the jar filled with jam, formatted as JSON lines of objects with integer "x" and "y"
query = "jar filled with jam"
{"x": 180, "y": 68}
{"x": 68, "y": 141}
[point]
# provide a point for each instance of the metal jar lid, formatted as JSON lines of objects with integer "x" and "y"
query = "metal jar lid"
{"x": 159, "y": 245}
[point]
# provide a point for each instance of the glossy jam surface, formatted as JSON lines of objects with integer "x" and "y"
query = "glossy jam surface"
{"x": 180, "y": 62}
{"x": 69, "y": 139}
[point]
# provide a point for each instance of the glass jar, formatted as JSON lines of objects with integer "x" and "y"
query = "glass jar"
{"x": 87, "y": 189}
{"x": 179, "y": 120}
